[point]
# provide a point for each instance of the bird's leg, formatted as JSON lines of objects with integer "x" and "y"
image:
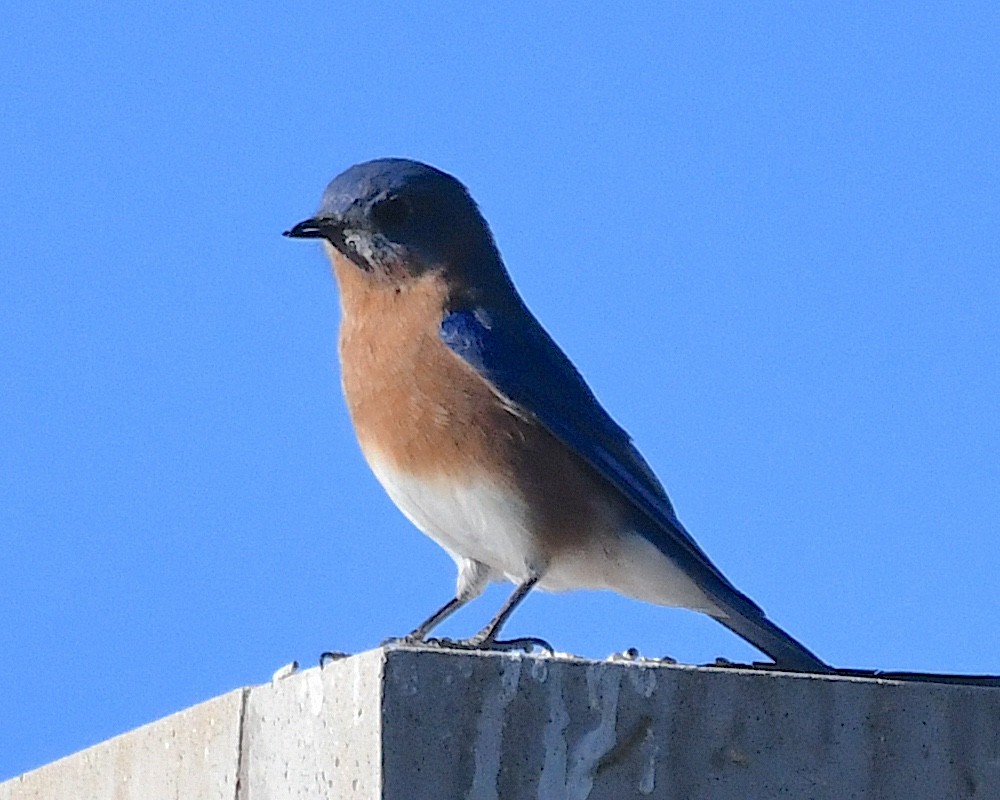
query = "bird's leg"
{"x": 472, "y": 579}
{"x": 439, "y": 616}
{"x": 486, "y": 638}
{"x": 419, "y": 634}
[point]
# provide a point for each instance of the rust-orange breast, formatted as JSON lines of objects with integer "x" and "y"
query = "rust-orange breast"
{"x": 416, "y": 404}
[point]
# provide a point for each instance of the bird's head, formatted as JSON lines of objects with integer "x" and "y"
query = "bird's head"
{"x": 397, "y": 219}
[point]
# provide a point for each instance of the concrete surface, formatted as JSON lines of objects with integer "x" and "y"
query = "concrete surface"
{"x": 408, "y": 724}
{"x": 189, "y": 754}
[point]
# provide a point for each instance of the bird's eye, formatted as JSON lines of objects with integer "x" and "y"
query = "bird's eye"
{"x": 391, "y": 212}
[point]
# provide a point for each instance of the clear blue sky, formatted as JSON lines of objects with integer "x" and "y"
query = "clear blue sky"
{"x": 768, "y": 237}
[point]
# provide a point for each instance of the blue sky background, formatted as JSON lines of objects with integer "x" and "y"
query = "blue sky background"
{"x": 768, "y": 236}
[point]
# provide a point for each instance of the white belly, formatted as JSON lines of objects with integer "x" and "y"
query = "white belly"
{"x": 475, "y": 521}
{"x": 471, "y": 520}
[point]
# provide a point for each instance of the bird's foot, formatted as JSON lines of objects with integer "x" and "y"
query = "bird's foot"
{"x": 525, "y": 644}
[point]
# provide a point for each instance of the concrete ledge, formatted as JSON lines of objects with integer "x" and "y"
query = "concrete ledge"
{"x": 408, "y": 724}
{"x": 190, "y": 754}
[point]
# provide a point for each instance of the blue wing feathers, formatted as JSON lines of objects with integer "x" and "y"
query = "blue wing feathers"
{"x": 525, "y": 366}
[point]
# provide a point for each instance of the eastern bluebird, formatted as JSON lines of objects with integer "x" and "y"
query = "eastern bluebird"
{"x": 480, "y": 428}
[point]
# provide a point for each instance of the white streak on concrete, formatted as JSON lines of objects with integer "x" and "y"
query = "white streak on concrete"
{"x": 489, "y": 734}
{"x": 552, "y": 781}
{"x": 604, "y": 686}
{"x": 650, "y": 750}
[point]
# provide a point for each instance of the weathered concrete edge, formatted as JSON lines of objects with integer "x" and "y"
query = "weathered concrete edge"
{"x": 319, "y": 732}
{"x": 192, "y": 753}
{"x": 226, "y": 747}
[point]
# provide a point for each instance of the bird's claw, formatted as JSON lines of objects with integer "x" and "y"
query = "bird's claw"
{"x": 475, "y": 643}
{"x": 526, "y": 644}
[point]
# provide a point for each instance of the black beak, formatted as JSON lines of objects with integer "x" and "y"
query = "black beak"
{"x": 331, "y": 229}
{"x": 316, "y": 228}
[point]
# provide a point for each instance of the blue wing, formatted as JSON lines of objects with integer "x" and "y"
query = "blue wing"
{"x": 526, "y": 367}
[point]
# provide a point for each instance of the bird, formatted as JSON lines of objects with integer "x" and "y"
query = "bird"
{"x": 483, "y": 432}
